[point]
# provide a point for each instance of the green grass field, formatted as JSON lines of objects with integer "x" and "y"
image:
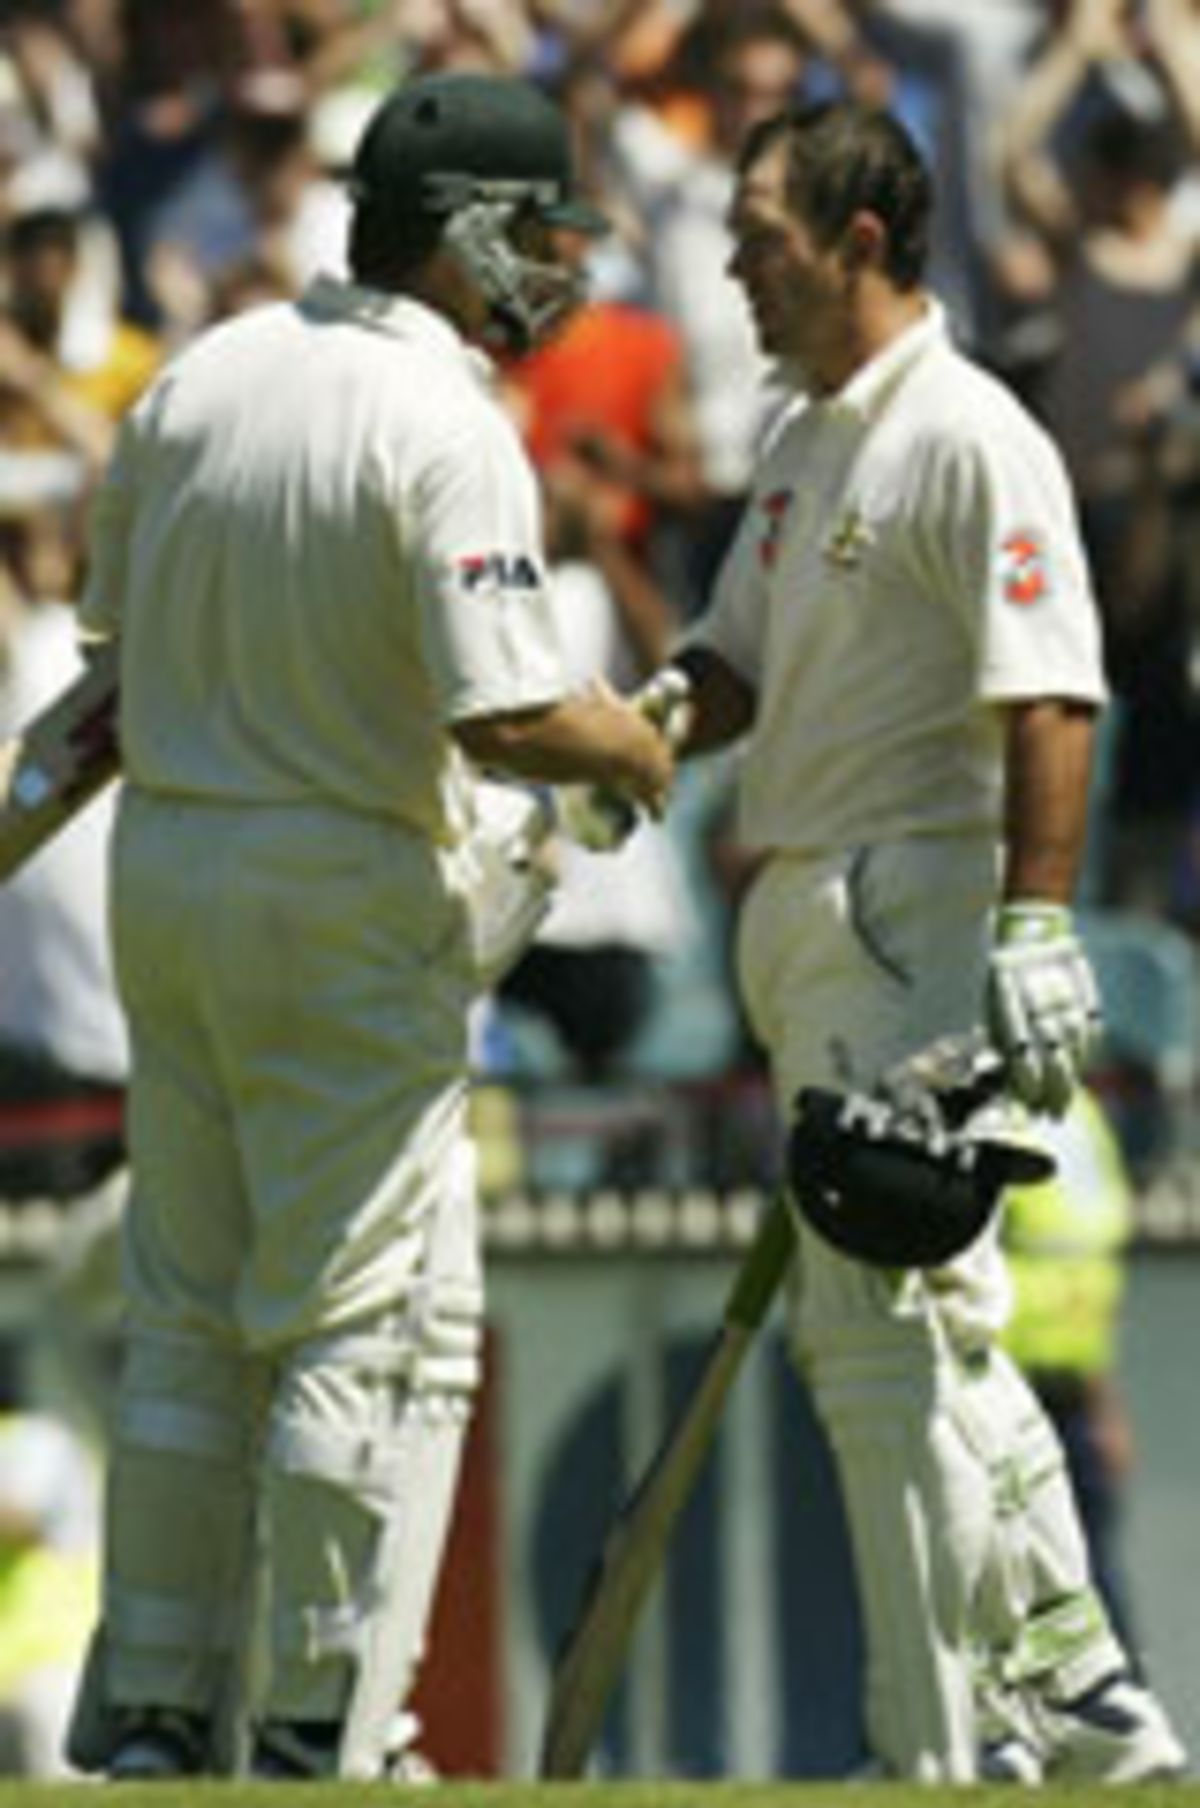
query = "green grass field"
{"x": 451, "y": 1794}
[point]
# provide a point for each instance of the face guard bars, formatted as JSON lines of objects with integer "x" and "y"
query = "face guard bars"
{"x": 527, "y": 296}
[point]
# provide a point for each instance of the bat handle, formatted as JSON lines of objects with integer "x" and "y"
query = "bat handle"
{"x": 760, "y": 1272}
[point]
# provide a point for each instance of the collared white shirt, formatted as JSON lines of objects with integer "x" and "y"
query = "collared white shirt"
{"x": 320, "y": 542}
{"x": 909, "y": 557}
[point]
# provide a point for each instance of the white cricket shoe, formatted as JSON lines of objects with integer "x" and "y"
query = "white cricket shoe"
{"x": 286, "y": 1752}
{"x": 1116, "y": 1733}
{"x": 405, "y": 1761}
{"x": 1010, "y": 1759}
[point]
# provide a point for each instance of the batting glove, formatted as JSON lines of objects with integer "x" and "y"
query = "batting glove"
{"x": 667, "y": 701}
{"x": 1042, "y": 1005}
{"x": 596, "y": 819}
{"x": 508, "y": 874}
{"x": 603, "y": 820}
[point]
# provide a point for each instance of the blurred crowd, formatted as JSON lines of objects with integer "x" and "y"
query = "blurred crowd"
{"x": 162, "y": 167}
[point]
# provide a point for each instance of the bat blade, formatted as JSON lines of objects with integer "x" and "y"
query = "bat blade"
{"x": 594, "y": 1651}
{"x": 56, "y": 764}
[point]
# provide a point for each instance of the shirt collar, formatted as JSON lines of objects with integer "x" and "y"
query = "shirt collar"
{"x": 870, "y": 388}
{"x": 401, "y": 316}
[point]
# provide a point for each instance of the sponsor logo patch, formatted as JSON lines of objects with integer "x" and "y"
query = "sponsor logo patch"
{"x": 1024, "y": 569}
{"x": 501, "y": 570}
{"x": 774, "y": 507}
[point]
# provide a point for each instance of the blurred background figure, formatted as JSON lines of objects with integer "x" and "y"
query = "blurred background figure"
{"x": 672, "y": 154}
{"x": 1066, "y": 1241}
{"x": 48, "y": 1539}
{"x": 257, "y": 191}
{"x": 605, "y": 411}
{"x": 968, "y": 64}
{"x": 70, "y": 364}
{"x": 1099, "y": 152}
{"x": 63, "y": 1049}
{"x": 590, "y": 975}
{"x": 49, "y": 103}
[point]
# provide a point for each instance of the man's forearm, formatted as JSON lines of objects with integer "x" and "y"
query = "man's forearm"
{"x": 1041, "y": 1002}
{"x": 591, "y": 737}
{"x": 1048, "y": 767}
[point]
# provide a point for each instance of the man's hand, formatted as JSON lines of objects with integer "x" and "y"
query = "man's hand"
{"x": 601, "y": 819}
{"x": 590, "y": 736}
{"x": 1042, "y": 1004}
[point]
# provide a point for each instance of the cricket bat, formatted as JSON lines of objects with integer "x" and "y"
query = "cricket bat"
{"x": 594, "y": 1650}
{"x": 58, "y": 762}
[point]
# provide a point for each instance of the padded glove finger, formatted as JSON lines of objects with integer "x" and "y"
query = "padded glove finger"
{"x": 1042, "y": 1005}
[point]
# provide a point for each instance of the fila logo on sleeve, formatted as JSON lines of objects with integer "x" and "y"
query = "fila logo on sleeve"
{"x": 1024, "y": 567}
{"x": 498, "y": 570}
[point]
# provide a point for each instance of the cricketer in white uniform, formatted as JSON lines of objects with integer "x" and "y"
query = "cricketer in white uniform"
{"x": 319, "y": 545}
{"x": 905, "y": 633}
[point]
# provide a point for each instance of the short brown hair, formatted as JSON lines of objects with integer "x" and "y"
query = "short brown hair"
{"x": 843, "y": 157}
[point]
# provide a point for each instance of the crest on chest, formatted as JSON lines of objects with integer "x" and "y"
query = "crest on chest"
{"x": 841, "y": 545}
{"x": 847, "y": 541}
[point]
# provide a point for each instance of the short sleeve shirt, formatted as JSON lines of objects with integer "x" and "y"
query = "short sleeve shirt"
{"x": 909, "y": 560}
{"x": 320, "y": 542}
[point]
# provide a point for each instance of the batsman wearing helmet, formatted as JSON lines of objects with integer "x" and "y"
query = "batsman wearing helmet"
{"x": 905, "y": 634}
{"x": 318, "y": 552}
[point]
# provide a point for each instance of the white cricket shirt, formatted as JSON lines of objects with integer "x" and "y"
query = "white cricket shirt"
{"x": 320, "y": 543}
{"x": 909, "y": 558}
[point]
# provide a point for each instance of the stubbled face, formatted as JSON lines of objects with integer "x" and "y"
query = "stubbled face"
{"x": 797, "y": 289}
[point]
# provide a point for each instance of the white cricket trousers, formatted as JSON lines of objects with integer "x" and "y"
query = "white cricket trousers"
{"x": 300, "y": 1253}
{"x": 847, "y": 964}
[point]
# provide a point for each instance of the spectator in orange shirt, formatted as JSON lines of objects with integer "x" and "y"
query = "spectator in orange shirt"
{"x": 606, "y": 404}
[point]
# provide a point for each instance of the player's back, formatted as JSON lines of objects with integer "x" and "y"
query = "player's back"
{"x": 270, "y": 606}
